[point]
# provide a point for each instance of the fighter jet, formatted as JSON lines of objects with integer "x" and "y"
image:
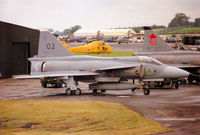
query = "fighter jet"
{"x": 125, "y": 39}
{"x": 154, "y": 46}
{"x": 103, "y": 73}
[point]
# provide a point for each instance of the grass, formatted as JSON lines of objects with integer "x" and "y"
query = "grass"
{"x": 29, "y": 117}
{"x": 114, "y": 54}
{"x": 191, "y": 30}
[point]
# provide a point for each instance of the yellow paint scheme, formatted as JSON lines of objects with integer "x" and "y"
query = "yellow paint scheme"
{"x": 94, "y": 47}
{"x": 64, "y": 44}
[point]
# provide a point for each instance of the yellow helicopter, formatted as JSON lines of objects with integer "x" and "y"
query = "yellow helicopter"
{"x": 93, "y": 47}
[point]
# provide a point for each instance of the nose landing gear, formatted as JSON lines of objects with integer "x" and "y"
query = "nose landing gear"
{"x": 146, "y": 90}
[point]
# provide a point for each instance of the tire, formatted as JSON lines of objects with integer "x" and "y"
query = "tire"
{"x": 183, "y": 81}
{"x": 146, "y": 92}
{"x": 44, "y": 85}
{"x": 68, "y": 92}
{"x": 77, "y": 92}
{"x": 190, "y": 79}
{"x": 133, "y": 90}
{"x": 58, "y": 85}
{"x": 176, "y": 86}
{"x": 94, "y": 91}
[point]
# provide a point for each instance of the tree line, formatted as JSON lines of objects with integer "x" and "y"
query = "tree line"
{"x": 180, "y": 20}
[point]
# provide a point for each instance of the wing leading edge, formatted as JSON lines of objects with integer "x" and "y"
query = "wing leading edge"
{"x": 72, "y": 73}
{"x": 56, "y": 74}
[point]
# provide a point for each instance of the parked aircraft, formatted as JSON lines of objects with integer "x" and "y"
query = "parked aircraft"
{"x": 119, "y": 39}
{"x": 76, "y": 39}
{"x": 125, "y": 39}
{"x": 104, "y": 73}
{"x": 98, "y": 37}
{"x": 154, "y": 46}
{"x": 94, "y": 47}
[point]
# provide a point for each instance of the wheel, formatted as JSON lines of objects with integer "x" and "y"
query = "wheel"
{"x": 183, "y": 81}
{"x": 176, "y": 86}
{"x": 95, "y": 91}
{"x": 146, "y": 90}
{"x": 103, "y": 90}
{"x": 68, "y": 92}
{"x": 58, "y": 85}
{"x": 77, "y": 92}
{"x": 190, "y": 79}
{"x": 133, "y": 89}
{"x": 44, "y": 85}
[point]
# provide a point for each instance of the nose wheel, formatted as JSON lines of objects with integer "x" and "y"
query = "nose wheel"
{"x": 146, "y": 90}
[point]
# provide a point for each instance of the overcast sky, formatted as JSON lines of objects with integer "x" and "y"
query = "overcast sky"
{"x": 94, "y": 14}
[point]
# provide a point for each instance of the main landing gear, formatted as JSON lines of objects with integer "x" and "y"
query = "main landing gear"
{"x": 145, "y": 89}
{"x": 70, "y": 92}
{"x": 72, "y": 87}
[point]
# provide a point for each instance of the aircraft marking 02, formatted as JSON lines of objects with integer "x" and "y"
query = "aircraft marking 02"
{"x": 50, "y": 46}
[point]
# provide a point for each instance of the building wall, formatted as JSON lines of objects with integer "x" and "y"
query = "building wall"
{"x": 10, "y": 35}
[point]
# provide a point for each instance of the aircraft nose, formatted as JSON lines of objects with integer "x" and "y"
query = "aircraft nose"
{"x": 173, "y": 72}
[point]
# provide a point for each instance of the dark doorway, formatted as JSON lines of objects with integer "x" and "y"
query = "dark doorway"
{"x": 20, "y": 55}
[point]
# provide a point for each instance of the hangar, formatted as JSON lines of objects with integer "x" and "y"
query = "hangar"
{"x": 106, "y": 32}
{"x": 17, "y": 43}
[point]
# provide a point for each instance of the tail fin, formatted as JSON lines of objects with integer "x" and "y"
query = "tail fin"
{"x": 50, "y": 46}
{"x": 153, "y": 42}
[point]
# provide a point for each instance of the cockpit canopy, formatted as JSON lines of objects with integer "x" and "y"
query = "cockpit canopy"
{"x": 150, "y": 60}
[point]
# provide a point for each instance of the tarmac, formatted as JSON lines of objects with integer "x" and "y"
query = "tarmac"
{"x": 178, "y": 109}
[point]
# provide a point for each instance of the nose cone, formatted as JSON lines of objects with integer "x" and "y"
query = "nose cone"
{"x": 173, "y": 72}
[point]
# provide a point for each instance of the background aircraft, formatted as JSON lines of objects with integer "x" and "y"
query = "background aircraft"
{"x": 154, "y": 46}
{"x": 94, "y": 47}
{"x": 104, "y": 73}
{"x": 125, "y": 39}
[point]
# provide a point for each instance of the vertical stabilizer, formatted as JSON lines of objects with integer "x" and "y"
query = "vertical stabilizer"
{"x": 50, "y": 46}
{"x": 153, "y": 42}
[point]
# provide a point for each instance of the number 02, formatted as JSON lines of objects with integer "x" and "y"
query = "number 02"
{"x": 51, "y": 46}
